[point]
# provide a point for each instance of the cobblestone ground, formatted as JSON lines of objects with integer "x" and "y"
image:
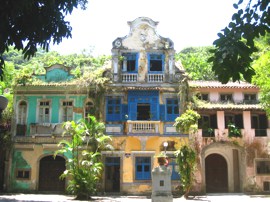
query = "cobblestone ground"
{"x": 64, "y": 198}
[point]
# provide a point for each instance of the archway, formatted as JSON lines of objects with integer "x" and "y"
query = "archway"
{"x": 50, "y": 169}
{"x": 216, "y": 174}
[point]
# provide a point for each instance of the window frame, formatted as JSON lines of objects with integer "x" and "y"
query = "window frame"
{"x": 22, "y": 113}
{"x": 87, "y": 109}
{"x": 146, "y": 175}
{"x": 226, "y": 95}
{"x": 42, "y": 108}
{"x": 203, "y": 96}
{"x": 24, "y": 170}
{"x": 129, "y": 57}
{"x": 248, "y": 97}
{"x": 115, "y": 104}
{"x": 262, "y": 172}
{"x": 64, "y": 113}
{"x": 156, "y": 55}
{"x": 172, "y": 116}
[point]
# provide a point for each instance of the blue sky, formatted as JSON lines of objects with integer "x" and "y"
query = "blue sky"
{"x": 186, "y": 22}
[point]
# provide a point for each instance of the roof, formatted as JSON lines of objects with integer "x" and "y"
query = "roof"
{"x": 217, "y": 84}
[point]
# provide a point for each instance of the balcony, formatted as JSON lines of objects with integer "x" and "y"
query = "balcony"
{"x": 155, "y": 78}
{"x": 46, "y": 129}
{"x": 143, "y": 127}
{"x": 129, "y": 78}
{"x": 41, "y": 139}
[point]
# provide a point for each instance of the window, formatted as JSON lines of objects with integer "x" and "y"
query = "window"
{"x": 156, "y": 62}
{"x": 259, "y": 123}
{"x": 226, "y": 97}
{"x": 113, "y": 109}
{"x": 266, "y": 186}
{"x": 203, "y": 96}
{"x": 172, "y": 109}
{"x": 23, "y": 174}
{"x": 22, "y": 110}
{"x": 143, "y": 168}
{"x": 67, "y": 110}
{"x": 88, "y": 109}
{"x": 208, "y": 124}
{"x": 263, "y": 167}
{"x": 130, "y": 62}
{"x": 250, "y": 98}
{"x": 44, "y": 111}
{"x": 235, "y": 119}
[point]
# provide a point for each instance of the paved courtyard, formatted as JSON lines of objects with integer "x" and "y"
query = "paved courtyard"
{"x": 63, "y": 198}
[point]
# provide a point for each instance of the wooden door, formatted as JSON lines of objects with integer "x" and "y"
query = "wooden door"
{"x": 50, "y": 169}
{"x": 216, "y": 174}
{"x": 112, "y": 174}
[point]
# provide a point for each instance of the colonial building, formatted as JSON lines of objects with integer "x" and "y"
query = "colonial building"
{"x": 234, "y": 138}
{"x": 139, "y": 106}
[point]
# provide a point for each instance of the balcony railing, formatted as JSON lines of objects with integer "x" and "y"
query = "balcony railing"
{"x": 142, "y": 127}
{"x": 129, "y": 78}
{"x": 41, "y": 139}
{"x": 155, "y": 78}
{"x": 260, "y": 132}
{"x": 43, "y": 129}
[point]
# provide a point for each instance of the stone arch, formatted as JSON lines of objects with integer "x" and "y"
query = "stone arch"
{"x": 230, "y": 156}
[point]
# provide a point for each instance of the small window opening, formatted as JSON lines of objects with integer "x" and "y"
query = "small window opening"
{"x": 23, "y": 174}
{"x": 156, "y": 63}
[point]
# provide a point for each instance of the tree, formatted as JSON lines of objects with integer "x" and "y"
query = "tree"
{"x": 262, "y": 69}
{"x": 186, "y": 155}
{"x": 84, "y": 168}
{"x": 234, "y": 48}
{"x": 194, "y": 60}
{"x": 26, "y": 24}
{"x": 186, "y": 160}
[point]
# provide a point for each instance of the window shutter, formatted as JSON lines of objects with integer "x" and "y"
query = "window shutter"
{"x": 124, "y": 112}
{"x": 163, "y": 62}
{"x": 132, "y": 109}
{"x": 162, "y": 112}
{"x": 154, "y": 109}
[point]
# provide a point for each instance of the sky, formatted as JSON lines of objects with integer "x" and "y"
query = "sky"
{"x": 186, "y": 22}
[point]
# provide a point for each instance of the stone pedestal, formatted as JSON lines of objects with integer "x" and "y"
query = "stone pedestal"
{"x": 161, "y": 184}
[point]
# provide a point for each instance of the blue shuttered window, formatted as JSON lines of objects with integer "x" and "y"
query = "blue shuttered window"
{"x": 156, "y": 62}
{"x": 130, "y": 62}
{"x": 147, "y": 98}
{"x": 143, "y": 168}
{"x": 172, "y": 109}
{"x": 113, "y": 109}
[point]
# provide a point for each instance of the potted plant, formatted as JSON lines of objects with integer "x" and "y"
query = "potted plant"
{"x": 162, "y": 159}
{"x": 234, "y": 131}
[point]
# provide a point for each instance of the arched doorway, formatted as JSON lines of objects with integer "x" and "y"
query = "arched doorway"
{"x": 50, "y": 169}
{"x": 216, "y": 174}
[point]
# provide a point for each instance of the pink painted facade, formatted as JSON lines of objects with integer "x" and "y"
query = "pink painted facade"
{"x": 232, "y": 158}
